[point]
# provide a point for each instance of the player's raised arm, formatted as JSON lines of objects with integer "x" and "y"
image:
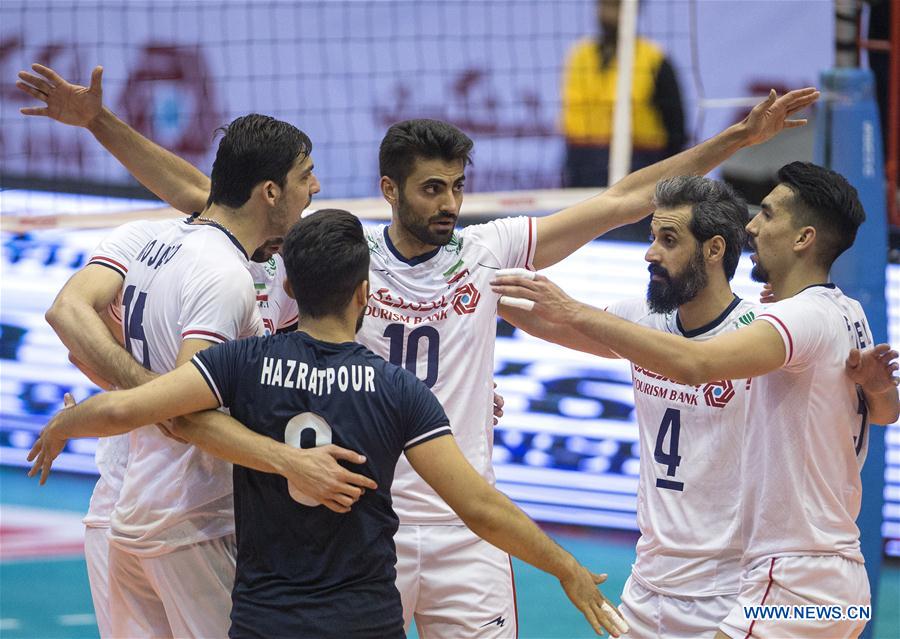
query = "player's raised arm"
{"x": 630, "y": 199}
{"x": 494, "y": 518}
{"x": 169, "y": 177}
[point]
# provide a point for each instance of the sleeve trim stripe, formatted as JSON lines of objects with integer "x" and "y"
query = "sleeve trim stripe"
{"x": 201, "y": 334}
{"x": 444, "y": 429}
{"x": 783, "y": 329}
{"x": 100, "y": 260}
{"x": 207, "y": 378}
{"x": 532, "y": 244}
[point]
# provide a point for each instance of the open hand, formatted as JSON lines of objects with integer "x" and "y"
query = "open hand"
{"x": 873, "y": 368}
{"x": 770, "y": 116}
{"x": 316, "y": 473}
{"x": 48, "y": 446}
{"x": 581, "y": 589}
{"x": 550, "y": 302}
{"x": 66, "y": 102}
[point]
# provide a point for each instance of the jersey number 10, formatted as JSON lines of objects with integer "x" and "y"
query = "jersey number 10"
{"x": 401, "y": 342}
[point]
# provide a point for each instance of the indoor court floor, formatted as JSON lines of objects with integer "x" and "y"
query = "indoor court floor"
{"x": 44, "y": 588}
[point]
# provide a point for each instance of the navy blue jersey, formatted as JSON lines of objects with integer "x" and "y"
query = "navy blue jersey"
{"x": 303, "y": 570}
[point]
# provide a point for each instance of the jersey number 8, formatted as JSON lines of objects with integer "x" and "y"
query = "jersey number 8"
{"x": 306, "y": 430}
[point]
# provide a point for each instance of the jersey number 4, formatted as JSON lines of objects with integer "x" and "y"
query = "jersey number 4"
{"x": 671, "y": 425}
{"x": 410, "y": 343}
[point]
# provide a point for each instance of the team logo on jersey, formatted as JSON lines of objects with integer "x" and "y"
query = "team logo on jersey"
{"x": 747, "y": 318}
{"x": 465, "y": 299}
{"x": 270, "y": 267}
{"x": 454, "y": 245}
{"x": 374, "y": 246}
{"x": 718, "y": 394}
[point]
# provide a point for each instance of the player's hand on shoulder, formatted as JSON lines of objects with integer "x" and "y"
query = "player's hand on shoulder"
{"x": 317, "y": 474}
{"x": 581, "y": 589}
{"x": 766, "y": 295}
{"x": 65, "y": 102}
{"x": 48, "y": 445}
{"x": 534, "y": 293}
{"x": 873, "y": 368}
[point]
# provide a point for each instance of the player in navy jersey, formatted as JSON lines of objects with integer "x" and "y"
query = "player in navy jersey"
{"x": 303, "y": 570}
{"x": 817, "y": 381}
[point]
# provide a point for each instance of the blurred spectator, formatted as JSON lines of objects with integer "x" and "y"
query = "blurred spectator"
{"x": 588, "y": 101}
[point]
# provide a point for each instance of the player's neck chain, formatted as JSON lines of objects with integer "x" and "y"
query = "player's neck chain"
{"x": 218, "y": 225}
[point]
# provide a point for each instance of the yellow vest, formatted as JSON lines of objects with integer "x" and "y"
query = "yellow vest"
{"x": 589, "y": 93}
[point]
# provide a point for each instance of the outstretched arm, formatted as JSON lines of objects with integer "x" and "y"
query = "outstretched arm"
{"x": 494, "y": 518}
{"x": 630, "y": 199}
{"x": 556, "y": 333}
{"x": 169, "y": 177}
{"x": 179, "y": 392}
{"x": 749, "y": 352}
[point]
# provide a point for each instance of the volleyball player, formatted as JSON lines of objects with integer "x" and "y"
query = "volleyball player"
{"x": 817, "y": 382}
{"x": 183, "y": 529}
{"x": 303, "y": 570}
{"x": 432, "y": 311}
{"x": 686, "y": 576}
{"x": 85, "y": 318}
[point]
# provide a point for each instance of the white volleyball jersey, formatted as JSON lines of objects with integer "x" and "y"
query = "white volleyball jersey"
{"x": 115, "y": 252}
{"x": 689, "y": 490}
{"x": 435, "y": 315}
{"x": 807, "y": 434}
{"x": 189, "y": 282}
{"x": 278, "y": 311}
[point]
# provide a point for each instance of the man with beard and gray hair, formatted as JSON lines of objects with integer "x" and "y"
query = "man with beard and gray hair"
{"x": 687, "y": 572}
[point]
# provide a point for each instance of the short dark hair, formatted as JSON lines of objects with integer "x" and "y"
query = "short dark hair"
{"x": 410, "y": 140}
{"x": 827, "y": 201}
{"x": 253, "y": 149}
{"x": 326, "y": 256}
{"x": 716, "y": 209}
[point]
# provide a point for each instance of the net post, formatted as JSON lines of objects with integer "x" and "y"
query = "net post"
{"x": 620, "y": 144}
{"x": 850, "y": 143}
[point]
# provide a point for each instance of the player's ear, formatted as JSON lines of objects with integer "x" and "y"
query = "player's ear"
{"x": 288, "y": 288}
{"x": 714, "y": 249}
{"x": 806, "y": 238}
{"x": 269, "y": 191}
{"x": 390, "y": 190}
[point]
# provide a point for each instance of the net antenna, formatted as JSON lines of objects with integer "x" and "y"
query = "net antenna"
{"x": 620, "y": 143}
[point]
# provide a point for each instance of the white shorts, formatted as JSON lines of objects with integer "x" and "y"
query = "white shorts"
{"x": 454, "y": 583}
{"x": 829, "y": 580}
{"x": 651, "y": 615}
{"x": 183, "y": 593}
{"x": 96, "y": 556}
